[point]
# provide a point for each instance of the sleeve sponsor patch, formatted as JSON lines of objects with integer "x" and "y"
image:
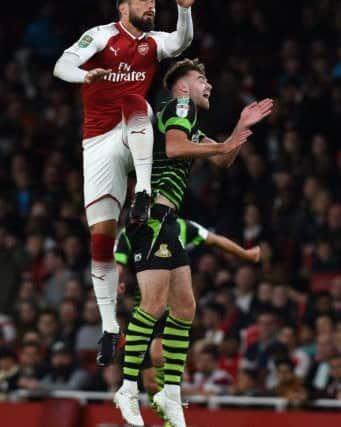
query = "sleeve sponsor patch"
{"x": 182, "y": 107}
{"x": 85, "y": 41}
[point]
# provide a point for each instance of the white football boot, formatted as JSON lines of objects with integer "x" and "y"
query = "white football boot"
{"x": 128, "y": 404}
{"x": 170, "y": 407}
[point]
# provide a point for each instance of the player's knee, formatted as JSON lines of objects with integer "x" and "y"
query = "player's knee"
{"x": 187, "y": 310}
{"x": 154, "y": 309}
{"x": 133, "y": 104}
{"x": 154, "y": 305}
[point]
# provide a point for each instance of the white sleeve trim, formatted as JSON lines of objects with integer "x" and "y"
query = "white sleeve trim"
{"x": 90, "y": 43}
{"x": 202, "y": 231}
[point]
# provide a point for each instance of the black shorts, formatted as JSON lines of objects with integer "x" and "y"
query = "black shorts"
{"x": 156, "y": 245}
{"x": 157, "y": 333}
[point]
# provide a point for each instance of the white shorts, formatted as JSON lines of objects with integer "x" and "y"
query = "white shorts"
{"x": 106, "y": 163}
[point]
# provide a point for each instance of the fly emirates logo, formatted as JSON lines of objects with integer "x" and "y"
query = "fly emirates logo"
{"x": 125, "y": 74}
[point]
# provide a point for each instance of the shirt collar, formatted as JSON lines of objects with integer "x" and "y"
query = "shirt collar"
{"x": 123, "y": 29}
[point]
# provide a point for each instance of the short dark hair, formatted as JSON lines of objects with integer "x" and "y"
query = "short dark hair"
{"x": 180, "y": 69}
{"x": 119, "y": 2}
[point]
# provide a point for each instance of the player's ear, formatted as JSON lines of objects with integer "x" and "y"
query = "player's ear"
{"x": 183, "y": 88}
{"x": 123, "y": 9}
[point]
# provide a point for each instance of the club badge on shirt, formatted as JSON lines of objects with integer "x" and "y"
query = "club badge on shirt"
{"x": 143, "y": 49}
{"x": 182, "y": 107}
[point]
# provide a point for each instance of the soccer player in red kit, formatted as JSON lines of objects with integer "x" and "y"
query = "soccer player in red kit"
{"x": 116, "y": 63}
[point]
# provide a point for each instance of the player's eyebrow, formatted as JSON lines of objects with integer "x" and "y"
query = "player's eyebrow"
{"x": 202, "y": 77}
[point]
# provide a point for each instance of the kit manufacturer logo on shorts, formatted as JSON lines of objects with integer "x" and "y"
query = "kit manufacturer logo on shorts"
{"x": 143, "y": 49}
{"x": 163, "y": 251}
{"x": 182, "y": 107}
{"x": 137, "y": 257}
{"x": 85, "y": 41}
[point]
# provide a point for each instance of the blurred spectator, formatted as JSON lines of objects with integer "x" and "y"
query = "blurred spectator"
{"x": 208, "y": 379}
{"x": 335, "y": 292}
{"x": 246, "y": 383}
{"x": 212, "y": 317}
{"x": 301, "y": 361}
{"x": 318, "y": 376}
{"x": 31, "y": 365}
{"x": 106, "y": 379}
{"x": 334, "y": 387}
{"x": 281, "y": 303}
{"x": 229, "y": 355}
{"x": 27, "y": 316}
{"x": 48, "y": 327}
{"x": 259, "y": 354}
{"x": 245, "y": 281}
{"x": 88, "y": 335}
{"x": 9, "y": 372}
{"x": 58, "y": 274}
{"x": 64, "y": 373}
{"x": 69, "y": 321}
{"x": 289, "y": 385}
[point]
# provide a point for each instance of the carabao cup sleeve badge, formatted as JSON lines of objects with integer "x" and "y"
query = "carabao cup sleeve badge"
{"x": 182, "y": 107}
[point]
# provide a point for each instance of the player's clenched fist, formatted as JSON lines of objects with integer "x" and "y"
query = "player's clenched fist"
{"x": 96, "y": 74}
{"x": 185, "y": 3}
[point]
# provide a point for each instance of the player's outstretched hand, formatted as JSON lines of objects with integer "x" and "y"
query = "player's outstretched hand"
{"x": 185, "y": 3}
{"x": 238, "y": 138}
{"x": 254, "y": 254}
{"x": 96, "y": 74}
{"x": 256, "y": 112}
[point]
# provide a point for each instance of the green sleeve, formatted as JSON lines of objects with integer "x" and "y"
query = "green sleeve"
{"x": 122, "y": 250}
{"x": 196, "y": 233}
{"x": 179, "y": 113}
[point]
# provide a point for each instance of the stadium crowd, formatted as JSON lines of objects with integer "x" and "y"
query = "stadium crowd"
{"x": 267, "y": 329}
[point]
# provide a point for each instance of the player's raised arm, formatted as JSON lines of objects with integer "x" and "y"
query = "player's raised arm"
{"x": 173, "y": 44}
{"x": 250, "y": 115}
{"x": 179, "y": 146}
{"x": 68, "y": 65}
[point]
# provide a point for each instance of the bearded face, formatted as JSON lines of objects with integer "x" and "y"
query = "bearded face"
{"x": 144, "y": 22}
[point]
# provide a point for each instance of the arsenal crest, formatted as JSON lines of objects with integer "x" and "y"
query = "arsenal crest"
{"x": 143, "y": 49}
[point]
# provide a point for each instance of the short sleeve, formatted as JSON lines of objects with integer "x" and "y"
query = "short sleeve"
{"x": 179, "y": 113}
{"x": 196, "y": 233}
{"x": 122, "y": 250}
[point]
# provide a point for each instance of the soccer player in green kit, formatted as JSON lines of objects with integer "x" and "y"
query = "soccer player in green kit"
{"x": 191, "y": 235}
{"x": 160, "y": 260}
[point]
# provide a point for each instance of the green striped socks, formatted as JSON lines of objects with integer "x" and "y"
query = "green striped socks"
{"x": 139, "y": 332}
{"x": 175, "y": 346}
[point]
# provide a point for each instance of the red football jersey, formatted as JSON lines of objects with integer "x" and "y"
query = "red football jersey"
{"x": 133, "y": 62}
